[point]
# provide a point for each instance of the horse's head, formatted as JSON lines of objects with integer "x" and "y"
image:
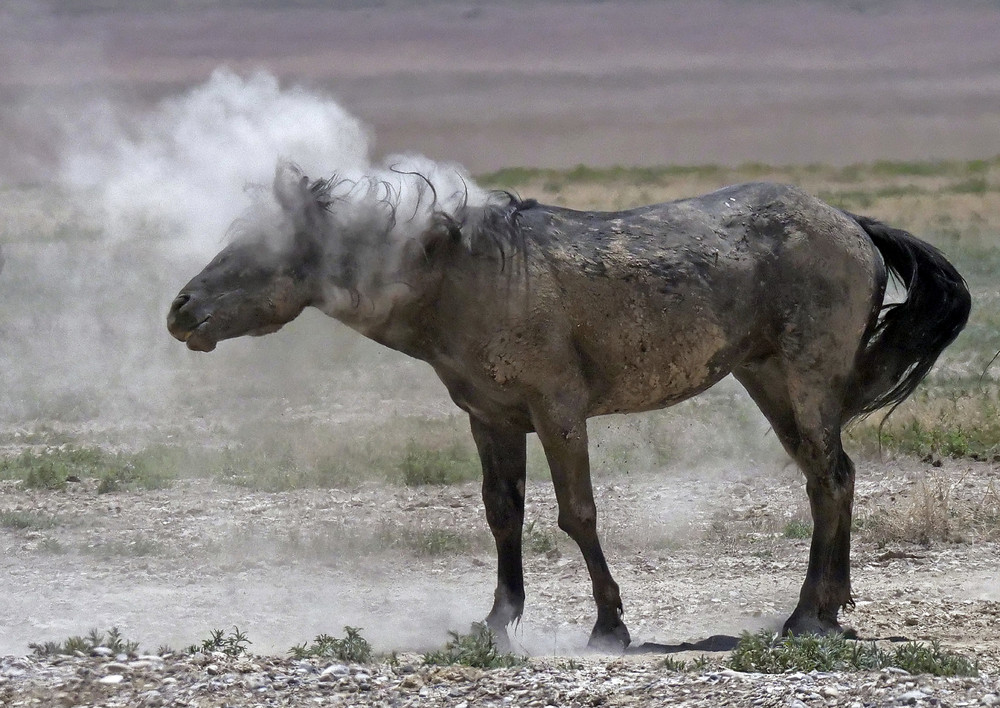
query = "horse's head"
{"x": 335, "y": 251}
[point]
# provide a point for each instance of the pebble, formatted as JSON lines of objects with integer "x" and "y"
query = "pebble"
{"x": 111, "y": 679}
{"x": 911, "y": 697}
{"x": 150, "y": 699}
{"x": 334, "y": 670}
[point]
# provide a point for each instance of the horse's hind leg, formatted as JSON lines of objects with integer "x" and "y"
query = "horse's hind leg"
{"x": 805, "y": 410}
{"x": 503, "y": 456}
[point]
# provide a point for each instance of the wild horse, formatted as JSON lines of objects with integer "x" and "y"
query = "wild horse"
{"x": 538, "y": 317}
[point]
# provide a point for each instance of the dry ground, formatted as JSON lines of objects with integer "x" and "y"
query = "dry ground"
{"x": 696, "y": 554}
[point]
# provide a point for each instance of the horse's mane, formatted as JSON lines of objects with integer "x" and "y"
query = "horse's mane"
{"x": 497, "y": 227}
{"x": 397, "y": 205}
{"x": 409, "y": 202}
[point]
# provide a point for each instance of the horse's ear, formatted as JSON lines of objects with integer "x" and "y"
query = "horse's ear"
{"x": 291, "y": 187}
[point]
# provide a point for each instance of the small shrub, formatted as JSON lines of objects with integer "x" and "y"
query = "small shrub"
{"x": 234, "y": 644}
{"x": 766, "y": 653}
{"x": 477, "y": 649}
{"x": 353, "y": 647}
{"x": 696, "y": 665}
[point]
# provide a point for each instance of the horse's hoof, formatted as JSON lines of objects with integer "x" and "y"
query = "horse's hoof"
{"x": 814, "y": 625}
{"x": 613, "y": 641}
{"x": 501, "y": 640}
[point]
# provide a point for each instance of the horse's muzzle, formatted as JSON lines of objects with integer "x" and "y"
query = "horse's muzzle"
{"x": 184, "y": 322}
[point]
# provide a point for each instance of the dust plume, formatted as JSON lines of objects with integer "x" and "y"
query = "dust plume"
{"x": 144, "y": 198}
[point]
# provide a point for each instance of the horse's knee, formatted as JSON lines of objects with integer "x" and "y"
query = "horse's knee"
{"x": 579, "y": 524}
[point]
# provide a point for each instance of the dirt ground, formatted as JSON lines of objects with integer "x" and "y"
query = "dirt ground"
{"x": 697, "y": 554}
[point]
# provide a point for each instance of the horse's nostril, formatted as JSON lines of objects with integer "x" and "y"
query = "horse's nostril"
{"x": 180, "y": 301}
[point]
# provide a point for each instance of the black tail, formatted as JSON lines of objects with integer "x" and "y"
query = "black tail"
{"x": 902, "y": 346}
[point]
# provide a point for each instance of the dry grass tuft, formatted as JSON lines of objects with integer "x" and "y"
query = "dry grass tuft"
{"x": 938, "y": 510}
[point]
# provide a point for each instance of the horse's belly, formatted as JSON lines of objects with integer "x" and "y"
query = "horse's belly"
{"x": 660, "y": 369}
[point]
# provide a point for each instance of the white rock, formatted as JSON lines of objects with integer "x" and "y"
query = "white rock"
{"x": 335, "y": 670}
{"x": 111, "y": 679}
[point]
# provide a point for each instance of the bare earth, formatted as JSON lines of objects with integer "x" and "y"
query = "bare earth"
{"x": 696, "y": 555}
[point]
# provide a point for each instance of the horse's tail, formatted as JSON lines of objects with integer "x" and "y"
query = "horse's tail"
{"x": 905, "y": 338}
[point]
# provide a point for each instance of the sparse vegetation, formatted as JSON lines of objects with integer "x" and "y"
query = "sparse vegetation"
{"x": 113, "y": 641}
{"x": 478, "y": 648}
{"x": 797, "y": 529}
{"x": 538, "y": 541}
{"x": 436, "y": 542}
{"x": 353, "y": 647}
{"x": 934, "y": 512}
{"x": 422, "y": 465}
{"x": 26, "y": 520}
{"x": 138, "y": 546}
{"x": 767, "y": 653}
{"x": 698, "y": 664}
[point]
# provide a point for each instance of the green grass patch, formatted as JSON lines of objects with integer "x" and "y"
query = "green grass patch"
{"x": 767, "y": 653}
{"x": 303, "y": 455}
{"x": 278, "y": 469}
{"x": 478, "y": 648}
{"x": 955, "y": 422}
{"x": 54, "y": 468}
{"x": 353, "y": 647}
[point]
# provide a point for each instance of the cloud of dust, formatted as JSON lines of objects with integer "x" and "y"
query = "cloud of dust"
{"x": 145, "y": 197}
{"x": 187, "y": 163}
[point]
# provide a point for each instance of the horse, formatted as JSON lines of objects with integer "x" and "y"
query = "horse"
{"x": 539, "y": 317}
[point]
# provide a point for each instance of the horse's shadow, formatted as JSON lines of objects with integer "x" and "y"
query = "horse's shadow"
{"x": 717, "y": 642}
{"x": 726, "y": 642}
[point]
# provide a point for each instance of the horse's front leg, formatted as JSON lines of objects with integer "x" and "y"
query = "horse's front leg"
{"x": 503, "y": 456}
{"x": 564, "y": 439}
